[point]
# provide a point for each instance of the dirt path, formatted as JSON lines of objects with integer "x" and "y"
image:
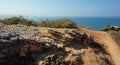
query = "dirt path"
{"x": 106, "y": 40}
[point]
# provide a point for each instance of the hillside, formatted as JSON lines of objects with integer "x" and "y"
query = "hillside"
{"x": 29, "y": 45}
{"x": 116, "y": 36}
{"x": 114, "y": 31}
{"x": 108, "y": 40}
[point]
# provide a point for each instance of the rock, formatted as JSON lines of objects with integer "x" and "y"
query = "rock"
{"x": 60, "y": 45}
{"x": 28, "y": 45}
{"x": 111, "y": 27}
{"x": 55, "y": 33}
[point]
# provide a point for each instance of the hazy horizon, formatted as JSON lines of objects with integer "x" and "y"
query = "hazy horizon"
{"x": 60, "y": 8}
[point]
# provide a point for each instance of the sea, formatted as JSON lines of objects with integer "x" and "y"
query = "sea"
{"x": 96, "y": 23}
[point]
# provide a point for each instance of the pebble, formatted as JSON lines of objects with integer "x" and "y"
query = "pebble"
{"x": 39, "y": 34}
{"x": 14, "y": 32}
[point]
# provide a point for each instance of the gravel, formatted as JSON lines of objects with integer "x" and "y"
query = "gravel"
{"x": 14, "y": 32}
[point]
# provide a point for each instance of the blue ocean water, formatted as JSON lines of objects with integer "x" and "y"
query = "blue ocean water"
{"x": 96, "y": 23}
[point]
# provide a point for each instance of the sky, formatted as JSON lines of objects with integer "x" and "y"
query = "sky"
{"x": 87, "y": 8}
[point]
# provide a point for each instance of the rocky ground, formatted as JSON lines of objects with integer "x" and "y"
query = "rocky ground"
{"x": 28, "y": 45}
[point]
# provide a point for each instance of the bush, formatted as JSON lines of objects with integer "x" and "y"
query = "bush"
{"x": 18, "y": 20}
{"x": 63, "y": 23}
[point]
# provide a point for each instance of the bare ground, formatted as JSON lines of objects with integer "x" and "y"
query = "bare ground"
{"x": 106, "y": 41}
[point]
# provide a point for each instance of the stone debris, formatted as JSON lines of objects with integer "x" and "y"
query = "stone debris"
{"x": 41, "y": 34}
{"x": 28, "y": 45}
{"x": 14, "y": 32}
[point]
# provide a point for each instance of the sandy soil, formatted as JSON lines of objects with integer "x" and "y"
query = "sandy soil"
{"x": 104, "y": 39}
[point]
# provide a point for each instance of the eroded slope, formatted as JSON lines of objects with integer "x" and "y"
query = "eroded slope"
{"x": 50, "y": 46}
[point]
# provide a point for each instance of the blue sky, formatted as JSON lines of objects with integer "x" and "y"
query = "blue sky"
{"x": 90, "y": 8}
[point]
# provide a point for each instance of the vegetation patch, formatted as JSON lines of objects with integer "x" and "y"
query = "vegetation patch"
{"x": 63, "y": 23}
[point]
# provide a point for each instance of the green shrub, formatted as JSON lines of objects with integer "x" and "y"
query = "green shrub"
{"x": 18, "y": 20}
{"x": 63, "y": 23}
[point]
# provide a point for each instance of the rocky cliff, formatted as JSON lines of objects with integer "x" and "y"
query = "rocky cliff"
{"x": 28, "y": 45}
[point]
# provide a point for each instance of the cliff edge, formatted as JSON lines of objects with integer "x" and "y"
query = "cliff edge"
{"x": 29, "y": 45}
{"x": 108, "y": 40}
